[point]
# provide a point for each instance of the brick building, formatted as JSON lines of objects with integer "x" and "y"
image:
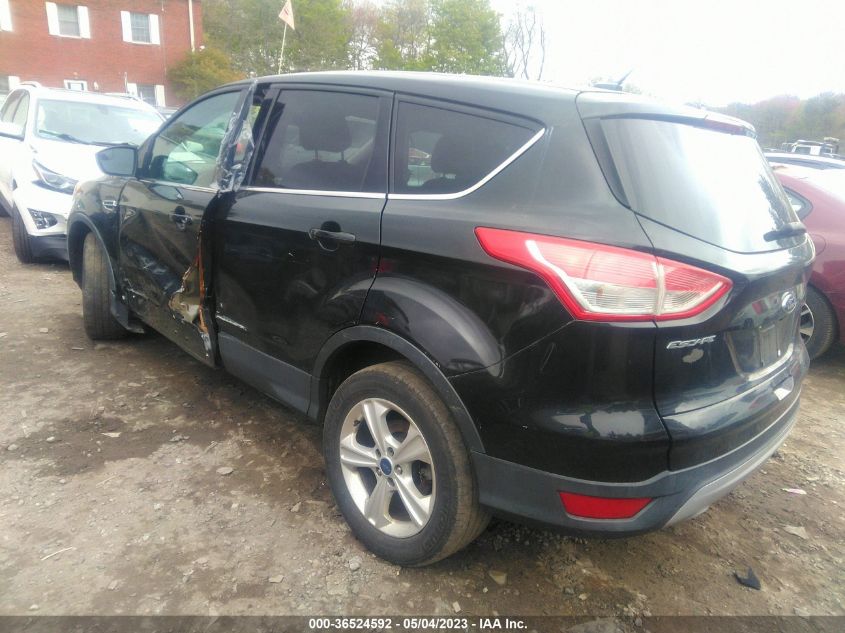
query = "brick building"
{"x": 102, "y": 45}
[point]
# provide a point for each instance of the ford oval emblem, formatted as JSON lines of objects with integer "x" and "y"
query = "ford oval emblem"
{"x": 788, "y": 301}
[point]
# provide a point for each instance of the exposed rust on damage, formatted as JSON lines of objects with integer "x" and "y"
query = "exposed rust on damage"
{"x": 187, "y": 302}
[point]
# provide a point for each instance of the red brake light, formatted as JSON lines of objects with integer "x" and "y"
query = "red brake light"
{"x": 601, "y": 507}
{"x": 597, "y": 282}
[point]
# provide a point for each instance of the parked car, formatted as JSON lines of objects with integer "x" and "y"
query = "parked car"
{"x": 819, "y": 200}
{"x": 48, "y": 139}
{"x": 805, "y": 160}
{"x": 585, "y": 315}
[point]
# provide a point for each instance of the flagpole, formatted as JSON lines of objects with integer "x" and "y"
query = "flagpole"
{"x": 282, "y": 54}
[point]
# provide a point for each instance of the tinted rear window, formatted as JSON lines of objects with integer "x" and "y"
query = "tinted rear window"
{"x": 713, "y": 185}
{"x": 441, "y": 151}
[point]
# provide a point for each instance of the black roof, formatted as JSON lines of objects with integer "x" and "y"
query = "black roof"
{"x": 538, "y": 100}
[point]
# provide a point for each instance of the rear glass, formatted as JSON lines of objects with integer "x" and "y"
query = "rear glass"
{"x": 709, "y": 184}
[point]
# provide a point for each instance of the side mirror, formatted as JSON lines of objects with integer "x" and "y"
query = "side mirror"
{"x": 12, "y": 130}
{"x": 118, "y": 160}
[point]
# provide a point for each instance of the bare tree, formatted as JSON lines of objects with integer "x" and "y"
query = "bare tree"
{"x": 365, "y": 16}
{"x": 525, "y": 43}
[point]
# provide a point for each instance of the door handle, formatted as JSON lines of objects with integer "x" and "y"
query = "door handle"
{"x": 336, "y": 236}
{"x": 181, "y": 219}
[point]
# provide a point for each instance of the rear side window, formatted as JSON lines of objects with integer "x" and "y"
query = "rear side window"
{"x": 441, "y": 151}
{"x": 713, "y": 185}
{"x": 323, "y": 141}
{"x": 801, "y": 206}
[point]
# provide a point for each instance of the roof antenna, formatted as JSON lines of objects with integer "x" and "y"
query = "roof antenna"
{"x": 613, "y": 85}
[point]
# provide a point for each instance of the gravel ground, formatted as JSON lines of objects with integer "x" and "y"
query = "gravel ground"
{"x": 115, "y": 499}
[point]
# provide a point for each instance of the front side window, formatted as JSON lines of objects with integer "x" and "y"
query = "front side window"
{"x": 93, "y": 123}
{"x": 325, "y": 141}
{"x": 185, "y": 152}
{"x": 140, "y": 27}
{"x": 440, "y": 151}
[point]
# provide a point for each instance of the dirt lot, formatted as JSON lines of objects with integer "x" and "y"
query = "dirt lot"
{"x": 111, "y": 503}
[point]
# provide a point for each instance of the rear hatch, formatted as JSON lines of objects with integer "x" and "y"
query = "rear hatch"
{"x": 705, "y": 195}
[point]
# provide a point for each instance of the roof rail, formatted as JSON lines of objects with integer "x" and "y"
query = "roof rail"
{"x": 34, "y": 84}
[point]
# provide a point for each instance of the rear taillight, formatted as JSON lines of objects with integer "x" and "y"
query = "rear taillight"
{"x": 597, "y": 282}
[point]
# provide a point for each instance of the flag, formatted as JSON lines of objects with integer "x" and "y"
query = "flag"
{"x": 286, "y": 15}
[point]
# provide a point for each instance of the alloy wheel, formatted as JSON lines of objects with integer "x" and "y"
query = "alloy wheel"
{"x": 808, "y": 323}
{"x": 387, "y": 467}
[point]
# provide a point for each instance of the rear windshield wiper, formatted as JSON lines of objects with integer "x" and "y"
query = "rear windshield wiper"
{"x": 791, "y": 229}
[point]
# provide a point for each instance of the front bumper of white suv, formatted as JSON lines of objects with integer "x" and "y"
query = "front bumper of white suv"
{"x": 44, "y": 213}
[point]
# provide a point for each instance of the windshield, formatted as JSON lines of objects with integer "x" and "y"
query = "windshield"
{"x": 712, "y": 185}
{"x": 94, "y": 123}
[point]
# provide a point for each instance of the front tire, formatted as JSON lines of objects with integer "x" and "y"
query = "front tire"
{"x": 21, "y": 239}
{"x": 818, "y": 324}
{"x": 398, "y": 467}
{"x": 96, "y": 305}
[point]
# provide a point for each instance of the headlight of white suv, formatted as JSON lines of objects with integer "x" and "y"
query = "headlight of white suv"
{"x": 52, "y": 180}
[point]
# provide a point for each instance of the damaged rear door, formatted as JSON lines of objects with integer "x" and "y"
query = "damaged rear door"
{"x": 166, "y": 213}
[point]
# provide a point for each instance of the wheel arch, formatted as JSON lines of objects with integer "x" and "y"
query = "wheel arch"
{"x": 78, "y": 229}
{"x": 360, "y": 346}
{"x": 838, "y": 333}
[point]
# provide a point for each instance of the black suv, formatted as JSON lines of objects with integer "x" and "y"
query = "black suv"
{"x": 578, "y": 308}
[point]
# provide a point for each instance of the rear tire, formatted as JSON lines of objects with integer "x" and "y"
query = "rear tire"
{"x": 21, "y": 239}
{"x": 96, "y": 295}
{"x": 819, "y": 327}
{"x": 429, "y": 506}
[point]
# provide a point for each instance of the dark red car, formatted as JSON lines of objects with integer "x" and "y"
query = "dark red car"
{"x": 818, "y": 197}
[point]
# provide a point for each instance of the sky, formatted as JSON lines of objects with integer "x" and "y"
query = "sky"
{"x": 712, "y": 52}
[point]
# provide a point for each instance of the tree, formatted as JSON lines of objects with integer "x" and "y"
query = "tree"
{"x": 250, "y": 31}
{"x": 525, "y": 43}
{"x": 466, "y": 37}
{"x": 787, "y": 118}
{"x": 363, "y": 46}
{"x": 201, "y": 71}
{"x": 402, "y": 35}
{"x": 322, "y": 37}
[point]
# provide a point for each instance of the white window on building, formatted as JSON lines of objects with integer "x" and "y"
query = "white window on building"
{"x": 76, "y": 84}
{"x": 140, "y": 28}
{"x": 5, "y": 16}
{"x": 68, "y": 20}
{"x": 150, "y": 93}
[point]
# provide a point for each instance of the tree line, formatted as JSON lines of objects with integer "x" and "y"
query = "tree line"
{"x": 787, "y": 118}
{"x": 244, "y": 38}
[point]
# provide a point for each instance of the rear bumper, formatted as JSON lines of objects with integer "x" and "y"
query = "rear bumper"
{"x": 532, "y": 495}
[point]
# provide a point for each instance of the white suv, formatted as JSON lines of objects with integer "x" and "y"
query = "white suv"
{"x": 48, "y": 139}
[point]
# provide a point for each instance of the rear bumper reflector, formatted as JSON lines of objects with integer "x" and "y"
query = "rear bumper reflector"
{"x": 601, "y": 507}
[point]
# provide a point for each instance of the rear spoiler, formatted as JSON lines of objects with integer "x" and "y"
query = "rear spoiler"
{"x": 607, "y": 105}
